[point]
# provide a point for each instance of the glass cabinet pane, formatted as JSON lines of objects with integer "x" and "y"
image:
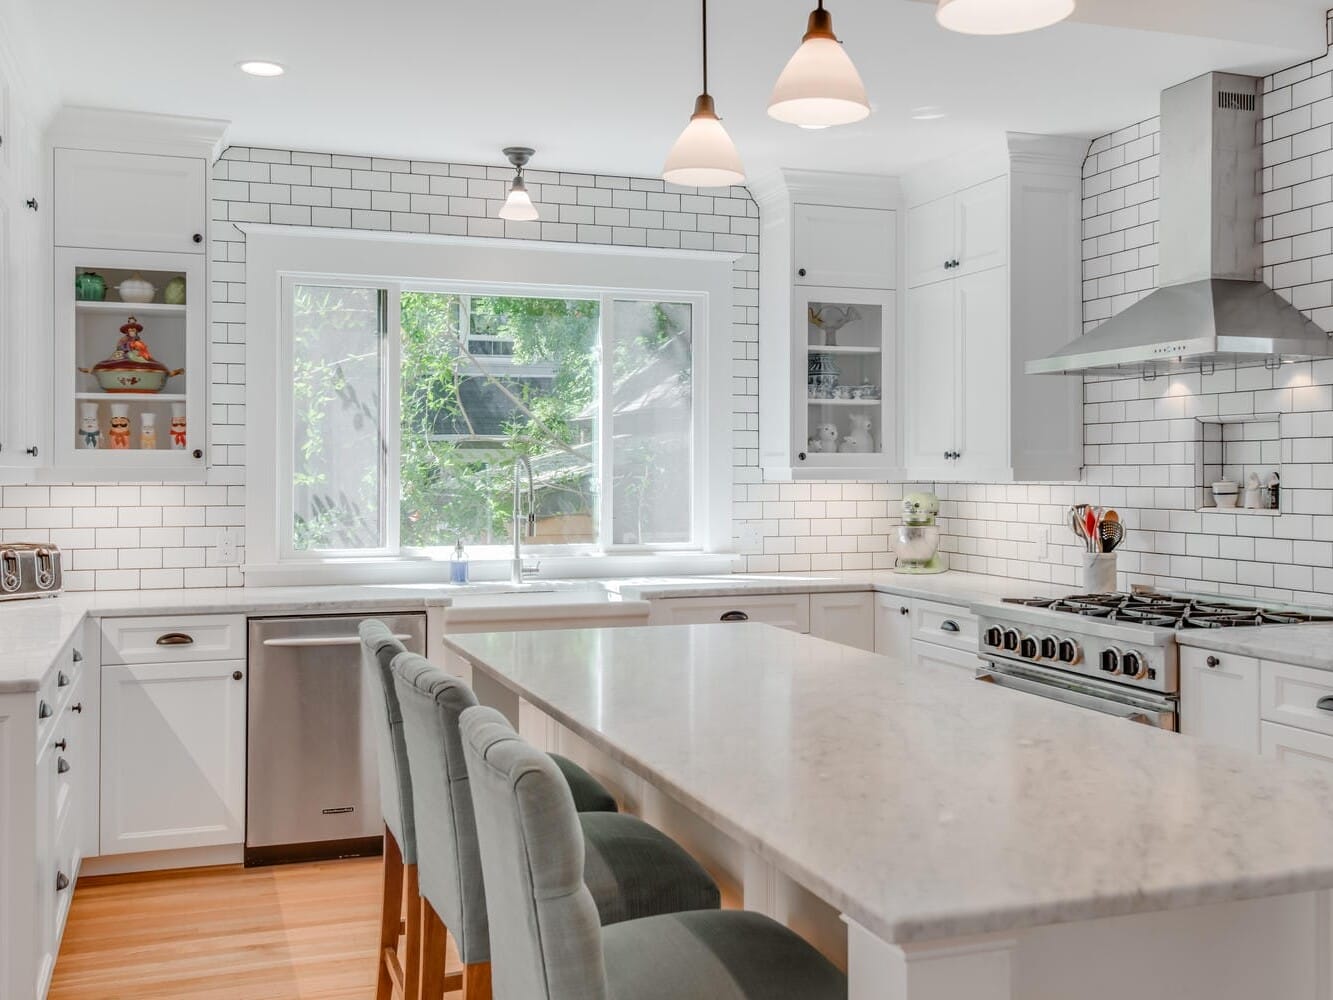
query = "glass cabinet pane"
{"x": 845, "y": 366}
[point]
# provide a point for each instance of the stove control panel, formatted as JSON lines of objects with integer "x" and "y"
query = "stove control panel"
{"x": 1147, "y": 665}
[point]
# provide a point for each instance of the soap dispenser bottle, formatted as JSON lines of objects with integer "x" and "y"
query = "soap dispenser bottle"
{"x": 458, "y": 564}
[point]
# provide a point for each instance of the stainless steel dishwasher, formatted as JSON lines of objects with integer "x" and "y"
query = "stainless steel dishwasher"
{"x": 312, "y": 789}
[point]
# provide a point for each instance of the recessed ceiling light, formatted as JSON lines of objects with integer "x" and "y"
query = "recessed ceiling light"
{"x": 261, "y": 67}
{"x": 928, "y": 113}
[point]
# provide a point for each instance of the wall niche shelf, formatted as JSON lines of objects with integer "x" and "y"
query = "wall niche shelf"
{"x": 1231, "y": 446}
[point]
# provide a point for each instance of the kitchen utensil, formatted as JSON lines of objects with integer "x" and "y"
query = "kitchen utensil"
{"x": 1090, "y": 526}
{"x": 1111, "y": 516}
{"x": 1076, "y": 524}
{"x": 1110, "y": 534}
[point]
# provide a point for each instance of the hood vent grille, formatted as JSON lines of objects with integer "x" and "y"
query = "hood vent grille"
{"x": 1229, "y": 100}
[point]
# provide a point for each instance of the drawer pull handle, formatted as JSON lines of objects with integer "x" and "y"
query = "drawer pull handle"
{"x": 43, "y": 710}
{"x": 62, "y": 679}
{"x": 62, "y": 881}
{"x": 62, "y": 765}
{"x": 77, "y": 657}
{"x": 734, "y": 616}
{"x": 1213, "y": 661}
{"x": 1325, "y": 704}
{"x": 175, "y": 639}
{"x": 949, "y": 625}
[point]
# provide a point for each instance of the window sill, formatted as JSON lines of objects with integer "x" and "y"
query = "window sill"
{"x": 388, "y": 570}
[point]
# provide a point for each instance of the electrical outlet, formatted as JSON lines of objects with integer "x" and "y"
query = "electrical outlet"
{"x": 227, "y": 550}
{"x": 751, "y": 539}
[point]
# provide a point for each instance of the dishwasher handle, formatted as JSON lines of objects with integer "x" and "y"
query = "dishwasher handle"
{"x": 324, "y": 640}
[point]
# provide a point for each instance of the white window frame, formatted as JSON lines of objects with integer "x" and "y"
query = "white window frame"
{"x": 279, "y": 256}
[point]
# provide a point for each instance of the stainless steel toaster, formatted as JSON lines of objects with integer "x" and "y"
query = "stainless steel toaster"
{"x": 28, "y": 570}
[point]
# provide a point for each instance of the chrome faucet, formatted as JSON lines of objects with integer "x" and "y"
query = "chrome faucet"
{"x": 516, "y": 570}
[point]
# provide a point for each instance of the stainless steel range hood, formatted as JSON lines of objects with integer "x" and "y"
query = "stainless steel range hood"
{"x": 1209, "y": 308}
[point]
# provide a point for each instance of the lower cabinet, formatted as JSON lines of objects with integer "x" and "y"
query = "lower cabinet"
{"x": 173, "y": 755}
{"x": 845, "y": 618}
{"x": 930, "y": 654}
{"x": 893, "y": 627}
{"x": 1297, "y": 747}
{"x": 1219, "y": 698}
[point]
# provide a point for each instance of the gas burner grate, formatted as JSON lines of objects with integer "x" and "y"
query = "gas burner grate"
{"x": 1166, "y": 611}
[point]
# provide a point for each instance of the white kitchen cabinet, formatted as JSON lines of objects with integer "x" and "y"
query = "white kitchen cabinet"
{"x": 173, "y": 755}
{"x": 114, "y": 200}
{"x": 846, "y": 618}
{"x": 789, "y": 611}
{"x": 893, "y": 627}
{"x": 994, "y": 279}
{"x": 1293, "y": 695}
{"x": 1219, "y": 698}
{"x": 930, "y": 654}
{"x": 829, "y": 365}
{"x": 841, "y": 247}
{"x": 1298, "y": 748}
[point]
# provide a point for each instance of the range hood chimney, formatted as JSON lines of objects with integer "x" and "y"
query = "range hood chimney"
{"x": 1209, "y": 307}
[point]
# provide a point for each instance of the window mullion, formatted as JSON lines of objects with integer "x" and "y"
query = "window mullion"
{"x": 605, "y": 384}
{"x": 391, "y": 432}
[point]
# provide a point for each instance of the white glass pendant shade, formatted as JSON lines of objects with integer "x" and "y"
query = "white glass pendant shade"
{"x": 819, "y": 86}
{"x": 518, "y": 207}
{"x": 704, "y": 155}
{"x": 1001, "y": 17}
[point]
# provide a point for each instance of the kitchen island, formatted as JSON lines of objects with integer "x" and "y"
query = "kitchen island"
{"x": 975, "y": 842}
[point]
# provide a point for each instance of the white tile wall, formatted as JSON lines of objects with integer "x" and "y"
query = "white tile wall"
{"x": 1142, "y": 437}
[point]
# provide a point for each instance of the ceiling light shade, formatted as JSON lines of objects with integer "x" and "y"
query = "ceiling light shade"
{"x": 518, "y": 206}
{"x": 819, "y": 86}
{"x": 261, "y": 67}
{"x": 1001, "y": 17}
{"x": 704, "y": 155}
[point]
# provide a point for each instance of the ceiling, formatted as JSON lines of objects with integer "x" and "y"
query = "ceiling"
{"x": 605, "y": 85}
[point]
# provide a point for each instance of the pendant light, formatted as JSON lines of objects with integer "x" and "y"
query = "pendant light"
{"x": 704, "y": 155}
{"x": 819, "y": 86}
{"x": 518, "y": 207}
{"x": 1001, "y": 17}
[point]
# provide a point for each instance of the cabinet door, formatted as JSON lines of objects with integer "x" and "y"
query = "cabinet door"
{"x": 130, "y": 201}
{"x": 845, "y": 618}
{"x": 930, "y": 241}
{"x": 1219, "y": 698}
{"x": 844, "y": 247}
{"x": 893, "y": 627}
{"x": 23, "y": 263}
{"x": 173, "y": 756}
{"x": 981, "y": 218}
{"x": 961, "y": 661}
{"x": 981, "y": 303}
{"x": 1297, "y": 748}
{"x": 930, "y": 377}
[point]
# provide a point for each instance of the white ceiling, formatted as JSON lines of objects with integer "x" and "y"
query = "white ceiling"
{"x": 605, "y": 85}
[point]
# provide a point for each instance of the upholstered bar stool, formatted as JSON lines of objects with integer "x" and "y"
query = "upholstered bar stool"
{"x": 633, "y": 870}
{"x": 547, "y": 942}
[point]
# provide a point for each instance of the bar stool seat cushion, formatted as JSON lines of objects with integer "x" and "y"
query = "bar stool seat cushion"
{"x": 718, "y": 954}
{"x": 589, "y": 793}
{"x": 634, "y": 870}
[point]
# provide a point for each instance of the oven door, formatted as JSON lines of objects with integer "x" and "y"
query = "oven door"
{"x": 1144, "y": 707}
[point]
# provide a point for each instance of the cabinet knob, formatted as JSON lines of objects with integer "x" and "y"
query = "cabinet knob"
{"x": 197, "y": 453}
{"x": 31, "y": 203}
{"x": 1212, "y": 661}
{"x": 62, "y": 881}
{"x": 31, "y": 451}
{"x": 904, "y": 610}
{"x": 800, "y": 272}
{"x": 236, "y": 675}
{"x": 198, "y": 237}
{"x": 59, "y": 745}
{"x": 77, "y": 707}
{"x": 800, "y": 456}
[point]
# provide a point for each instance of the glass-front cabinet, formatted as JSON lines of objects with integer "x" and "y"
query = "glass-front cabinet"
{"x": 130, "y": 376}
{"x": 844, "y": 378}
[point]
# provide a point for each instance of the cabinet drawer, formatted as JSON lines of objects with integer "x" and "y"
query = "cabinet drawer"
{"x": 174, "y": 639}
{"x": 789, "y": 611}
{"x": 932, "y": 654}
{"x": 1291, "y": 695}
{"x": 946, "y": 625}
{"x": 1298, "y": 748}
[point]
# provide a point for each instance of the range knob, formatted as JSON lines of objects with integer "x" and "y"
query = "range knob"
{"x": 1010, "y": 639}
{"x": 1027, "y": 647}
{"x": 1050, "y": 647}
{"x": 1133, "y": 665}
{"x": 1069, "y": 651}
{"x": 1110, "y": 661}
{"x": 993, "y": 636}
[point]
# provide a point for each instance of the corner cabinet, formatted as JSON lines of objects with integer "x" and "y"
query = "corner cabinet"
{"x": 993, "y": 269}
{"x": 828, "y": 327}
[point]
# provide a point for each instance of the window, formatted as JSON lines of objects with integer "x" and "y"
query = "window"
{"x": 412, "y": 407}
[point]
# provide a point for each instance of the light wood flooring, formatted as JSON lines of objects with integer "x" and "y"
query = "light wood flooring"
{"x": 289, "y": 932}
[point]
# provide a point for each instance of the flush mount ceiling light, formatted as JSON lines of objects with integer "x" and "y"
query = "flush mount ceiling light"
{"x": 261, "y": 67}
{"x": 518, "y": 207}
{"x": 1001, "y": 17}
{"x": 819, "y": 86}
{"x": 704, "y": 155}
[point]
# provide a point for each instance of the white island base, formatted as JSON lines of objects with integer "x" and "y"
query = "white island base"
{"x": 1252, "y": 944}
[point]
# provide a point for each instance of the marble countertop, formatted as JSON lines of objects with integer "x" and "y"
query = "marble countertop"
{"x": 951, "y": 587}
{"x": 1305, "y": 645}
{"x": 924, "y": 805}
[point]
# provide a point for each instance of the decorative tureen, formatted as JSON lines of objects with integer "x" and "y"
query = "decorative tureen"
{"x": 131, "y": 367}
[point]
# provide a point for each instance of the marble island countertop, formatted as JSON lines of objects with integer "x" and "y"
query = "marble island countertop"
{"x": 922, "y": 804}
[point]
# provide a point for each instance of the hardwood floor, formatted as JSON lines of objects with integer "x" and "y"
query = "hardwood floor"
{"x": 289, "y": 932}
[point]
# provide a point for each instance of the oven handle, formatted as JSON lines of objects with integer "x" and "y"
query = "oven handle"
{"x": 1162, "y": 718}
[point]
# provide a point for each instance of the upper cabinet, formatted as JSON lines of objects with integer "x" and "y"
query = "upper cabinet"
{"x": 993, "y": 268}
{"x": 829, "y": 365}
{"x": 130, "y": 201}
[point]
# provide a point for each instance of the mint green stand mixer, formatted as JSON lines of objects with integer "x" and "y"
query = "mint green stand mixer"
{"x": 918, "y": 538}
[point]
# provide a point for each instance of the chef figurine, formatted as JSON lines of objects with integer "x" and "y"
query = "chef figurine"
{"x": 119, "y": 434}
{"x": 178, "y": 426}
{"x": 148, "y": 431}
{"x": 90, "y": 430}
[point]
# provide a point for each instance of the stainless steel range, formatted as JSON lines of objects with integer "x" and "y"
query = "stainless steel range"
{"x": 1112, "y": 653}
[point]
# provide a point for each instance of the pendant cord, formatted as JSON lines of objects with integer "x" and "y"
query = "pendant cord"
{"x": 705, "y": 34}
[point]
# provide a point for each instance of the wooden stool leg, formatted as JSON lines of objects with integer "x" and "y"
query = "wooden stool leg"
{"x": 434, "y": 939}
{"x": 391, "y": 908}
{"x": 412, "y": 946}
{"x": 477, "y": 981}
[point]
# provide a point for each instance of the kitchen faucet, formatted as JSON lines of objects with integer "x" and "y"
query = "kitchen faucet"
{"x": 516, "y": 570}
